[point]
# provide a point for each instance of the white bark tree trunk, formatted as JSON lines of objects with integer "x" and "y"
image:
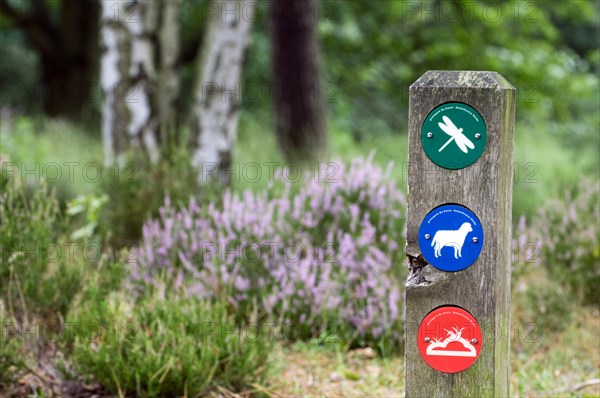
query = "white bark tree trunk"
{"x": 139, "y": 89}
{"x": 218, "y": 91}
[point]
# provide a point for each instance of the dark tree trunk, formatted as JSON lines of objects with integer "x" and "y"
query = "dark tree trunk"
{"x": 298, "y": 100}
{"x": 71, "y": 77}
{"x": 68, "y": 51}
{"x": 69, "y": 87}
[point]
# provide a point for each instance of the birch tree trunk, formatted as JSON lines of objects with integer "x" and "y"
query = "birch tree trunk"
{"x": 140, "y": 43}
{"x": 218, "y": 90}
{"x": 298, "y": 100}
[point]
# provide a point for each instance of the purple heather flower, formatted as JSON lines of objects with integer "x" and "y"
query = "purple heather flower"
{"x": 219, "y": 249}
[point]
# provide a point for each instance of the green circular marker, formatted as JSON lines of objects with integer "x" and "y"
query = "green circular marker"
{"x": 453, "y": 135}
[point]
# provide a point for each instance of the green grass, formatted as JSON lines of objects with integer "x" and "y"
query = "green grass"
{"x": 553, "y": 364}
{"x": 40, "y": 148}
{"x": 543, "y": 364}
{"x": 555, "y": 340}
{"x": 315, "y": 370}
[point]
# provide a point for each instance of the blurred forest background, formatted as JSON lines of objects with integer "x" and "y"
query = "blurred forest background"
{"x": 136, "y": 133}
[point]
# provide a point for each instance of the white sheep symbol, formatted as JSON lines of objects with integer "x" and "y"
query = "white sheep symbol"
{"x": 454, "y": 238}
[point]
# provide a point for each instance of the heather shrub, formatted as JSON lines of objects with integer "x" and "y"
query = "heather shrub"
{"x": 11, "y": 355}
{"x": 541, "y": 306}
{"x": 29, "y": 222}
{"x": 526, "y": 250}
{"x": 36, "y": 276}
{"x": 166, "y": 346}
{"x": 327, "y": 251}
{"x": 571, "y": 240}
{"x": 536, "y": 296}
{"x": 136, "y": 189}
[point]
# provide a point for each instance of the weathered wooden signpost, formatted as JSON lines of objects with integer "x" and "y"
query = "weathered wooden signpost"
{"x": 461, "y": 127}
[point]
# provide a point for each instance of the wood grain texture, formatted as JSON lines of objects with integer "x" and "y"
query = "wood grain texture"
{"x": 485, "y": 188}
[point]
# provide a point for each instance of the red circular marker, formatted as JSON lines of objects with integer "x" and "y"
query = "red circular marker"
{"x": 449, "y": 339}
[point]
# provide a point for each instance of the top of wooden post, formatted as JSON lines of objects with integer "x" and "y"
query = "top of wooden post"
{"x": 462, "y": 79}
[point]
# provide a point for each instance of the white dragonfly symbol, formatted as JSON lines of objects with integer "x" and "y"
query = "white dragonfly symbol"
{"x": 456, "y": 135}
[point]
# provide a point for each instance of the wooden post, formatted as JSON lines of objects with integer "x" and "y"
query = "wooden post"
{"x": 485, "y": 187}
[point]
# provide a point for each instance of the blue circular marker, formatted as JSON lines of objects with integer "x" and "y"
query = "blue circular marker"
{"x": 451, "y": 237}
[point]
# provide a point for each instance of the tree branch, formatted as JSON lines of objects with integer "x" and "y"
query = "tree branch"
{"x": 37, "y": 26}
{"x": 10, "y": 11}
{"x": 41, "y": 10}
